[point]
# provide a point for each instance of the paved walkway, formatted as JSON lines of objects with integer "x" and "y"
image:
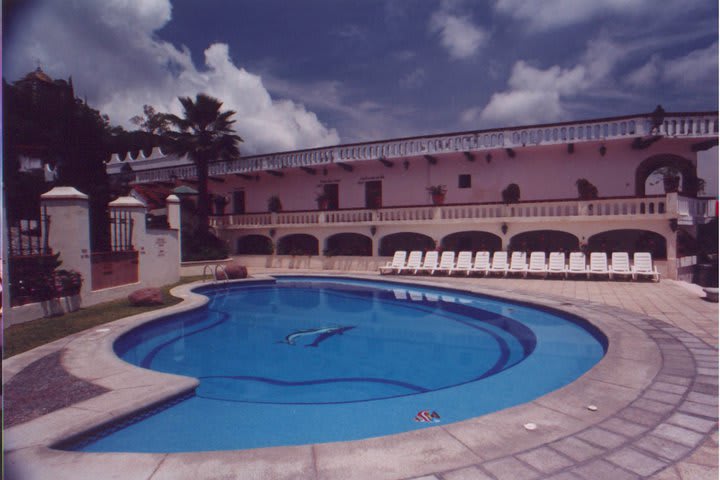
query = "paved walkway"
{"x": 657, "y": 389}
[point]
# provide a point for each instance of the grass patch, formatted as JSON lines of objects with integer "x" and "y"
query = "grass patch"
{"x": 26, "y": 336}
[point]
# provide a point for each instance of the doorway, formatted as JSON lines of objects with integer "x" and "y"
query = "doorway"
{"x": 373, "y": 194}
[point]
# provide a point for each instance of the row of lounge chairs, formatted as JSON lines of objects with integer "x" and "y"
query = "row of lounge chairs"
{"x": 620, "y": 266}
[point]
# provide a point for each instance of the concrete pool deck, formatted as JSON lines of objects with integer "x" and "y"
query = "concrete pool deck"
{"x": 656, "y": 391}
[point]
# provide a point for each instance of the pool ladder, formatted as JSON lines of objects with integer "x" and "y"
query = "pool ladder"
{"x": 214, "y": 269}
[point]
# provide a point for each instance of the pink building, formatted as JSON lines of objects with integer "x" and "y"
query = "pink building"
{"x": 350, "y": 206}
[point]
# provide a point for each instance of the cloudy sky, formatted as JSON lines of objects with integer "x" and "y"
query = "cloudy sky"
{"x": 306, "y": 73}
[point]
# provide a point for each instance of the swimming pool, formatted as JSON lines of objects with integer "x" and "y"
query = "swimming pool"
{"x": 305, "y": 360}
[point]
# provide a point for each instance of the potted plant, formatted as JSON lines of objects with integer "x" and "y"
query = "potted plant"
{"x": 274, "y": 204}
{"x": 437, "y": 192}
{"x": 323, "y": 201}
{"x": 586, "y": 190}
{"x": 671, "y": 176}
{"x": 511, "y": 194}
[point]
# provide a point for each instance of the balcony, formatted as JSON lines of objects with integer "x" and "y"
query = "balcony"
{"x": 686, "y": 210}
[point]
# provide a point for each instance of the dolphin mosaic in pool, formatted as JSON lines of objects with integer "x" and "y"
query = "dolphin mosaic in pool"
{"x": 320, "y": 334}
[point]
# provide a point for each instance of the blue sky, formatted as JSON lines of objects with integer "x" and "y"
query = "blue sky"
{"x": 311, "y": 73}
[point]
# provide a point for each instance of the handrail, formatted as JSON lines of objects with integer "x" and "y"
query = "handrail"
{"x": 702, "y": 124}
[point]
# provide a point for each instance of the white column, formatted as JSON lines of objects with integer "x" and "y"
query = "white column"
{"x": 69, "y": 230}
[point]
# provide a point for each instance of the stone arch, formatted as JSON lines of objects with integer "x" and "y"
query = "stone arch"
{"x": 629, "y": 240}
{"x": 405, "y": 241}
{"x": 354, "y": 244}
{"x": 686, "y": 168}
{"x": 254, "y": 245}
{"x": 544, "y": 241}
{"x": 472, "y": 240}
{"x": 298, "y": 244}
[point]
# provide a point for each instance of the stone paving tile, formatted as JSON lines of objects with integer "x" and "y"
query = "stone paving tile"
{"x": 426, "y": 477}
{"x": 670, "y": 398}
{"x": 564, "y": 476}
{"x": 701, "y": 409}
{"x": 692, "y": 422}
{"x": 705, "y": 388}
{"x": 669, "y": 388}
{"x": 576, "y": 449}
{"x": 469, "y": 473}
{"x": 624, "y": 427}
{"x": 601, "y": 469}
{"x": 678, "y": 434}
{"x": 637, "y": 462}
{"x": 703, "y": 398}
{"x": 708, "y": 379}
{"x": 602, "y": 438}
{"x": 510, "y": 468}
{"x": 673, "y": 379}
{"x": 638, "y": 415}
{"x": 545, "y": 459}
{"x": 651, "y": 405}
{"x": 662, "y": 447}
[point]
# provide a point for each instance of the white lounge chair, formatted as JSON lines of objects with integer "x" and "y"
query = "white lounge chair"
{"x": 430, "y": 264}
{"x": 447, "y": 262}
{"x": 499, "y": 263}
{"x": 556, "y": 263}
{"x": 518, "y": 263}
{"x": 413, "y": 263}
{"x": 464, "y": 263}
{"x": 620, "y": 264}
{"x": 482, "y": 263}
{"x": 537, "y": 264}
{"x": 397, "y": 263}
{"x": 576, "y": 265}
{"x": 643, "y": 265}
{"x": 598, "y": 264}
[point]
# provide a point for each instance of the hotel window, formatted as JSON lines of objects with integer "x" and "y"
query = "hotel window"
{"x": 464, "y": 181}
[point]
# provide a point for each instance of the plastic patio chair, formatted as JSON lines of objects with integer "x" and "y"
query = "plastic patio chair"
{"x": 537, "y": 264}
{"x": 518, "y": 263}
{"x": 447, "y": 262}
{"x": 576, "y": 265}
{"x": 414, "y": 261}
{"x": 430, "y": 264}
{"x": 556, "y": 263}
{"x": 620, "y": 264}
{"x": 499, "y": 263}
{"x": 396, "y": 264}
{"x": 598, "y": 264}
{"x": 482, "y": 263}
{"x": 464, "y": 263}
{"x": 643, "y": 265}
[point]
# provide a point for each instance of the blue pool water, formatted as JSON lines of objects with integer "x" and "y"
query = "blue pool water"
{"x": 314, "y": 359}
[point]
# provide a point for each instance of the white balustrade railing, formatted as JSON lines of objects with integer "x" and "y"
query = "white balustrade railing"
{"x": 668, "y": 206}
{"x": 679, "y": 125}
{"x": 694, "y": 207}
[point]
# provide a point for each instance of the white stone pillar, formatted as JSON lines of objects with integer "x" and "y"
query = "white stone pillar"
{"x": 136, "y": 210}
{"x": 69, "y": 230}
{"x": 173, "y": 212}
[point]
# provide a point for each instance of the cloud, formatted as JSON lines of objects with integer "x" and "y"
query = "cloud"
{"x": 647, "y": 75}
{"x": 414, "y": 79}
{"x": 551, "y": 14}
{"x": 697, "y": 68}
{"x": 538, "y": 95}
{"x": 118, "y": 63}
{"x": 458, "y": 34}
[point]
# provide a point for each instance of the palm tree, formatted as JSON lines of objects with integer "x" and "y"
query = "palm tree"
{"x": 206, "y": 135}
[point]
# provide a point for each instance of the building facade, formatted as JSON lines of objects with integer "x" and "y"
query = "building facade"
{"x": 614, "y": 184}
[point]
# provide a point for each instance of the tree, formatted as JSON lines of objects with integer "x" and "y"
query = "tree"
{"x": 206, "y": 135}
{"x": 152, "y": 122}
